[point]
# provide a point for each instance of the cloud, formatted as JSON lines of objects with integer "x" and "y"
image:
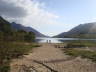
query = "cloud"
{"x": 27, "y": 12}
{"x": 38, "y": 15}
{"x": 10, "y": 9}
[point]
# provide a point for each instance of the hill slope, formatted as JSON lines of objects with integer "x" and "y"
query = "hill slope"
{"x": 4, "y": 25}
{"x": 87, "y": 30}
{"x": 21, "y": 27}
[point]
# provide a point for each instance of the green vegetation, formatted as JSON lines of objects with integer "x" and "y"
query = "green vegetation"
{"x": 9, "y": 34}
{"x": 13, "y": 44}
{"x": 83, "y": 53}
{"x": 80, "y": 43}
{"x": 12, "y": 50}
{"x": 78, "y": 48}
{"x": 29, "y": 37}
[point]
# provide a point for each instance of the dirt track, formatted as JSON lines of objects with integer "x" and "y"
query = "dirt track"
{"x": 47, "y": 57}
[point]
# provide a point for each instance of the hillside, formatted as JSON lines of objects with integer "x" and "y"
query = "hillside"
{"x": 28, "y": 29}
{"x": 4, "y": 25}
{"x": 87, "y": 30}
{"x": 8, "y": 33}
{"x": 13, "y": 44}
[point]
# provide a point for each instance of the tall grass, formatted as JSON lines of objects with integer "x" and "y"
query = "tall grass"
{"x": 10, "y": 50}
{"x": 84, "y": 54}
{"x": 73, "y": 49}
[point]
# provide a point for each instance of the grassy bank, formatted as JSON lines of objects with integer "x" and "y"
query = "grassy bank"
{"x": 78, "y": 48}
{"x": 80, "y": 43}
{"x": 82, "y": 53}
{"x": 11, "y": 50}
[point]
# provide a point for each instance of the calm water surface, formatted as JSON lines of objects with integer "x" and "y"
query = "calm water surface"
{"x": 58, "y": 40}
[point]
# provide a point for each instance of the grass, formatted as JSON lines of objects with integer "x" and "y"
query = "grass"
{"x": 82, "y": 53}
{"x": 80, "y": 43}
{"x": 71, "y": 49}
{"x": 11, "y": 50}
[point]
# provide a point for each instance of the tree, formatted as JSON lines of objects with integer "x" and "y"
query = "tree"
{"x": 30, "y": 37}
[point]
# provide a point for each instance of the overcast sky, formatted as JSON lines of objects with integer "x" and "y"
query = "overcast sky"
{"x": 50, "y": 17}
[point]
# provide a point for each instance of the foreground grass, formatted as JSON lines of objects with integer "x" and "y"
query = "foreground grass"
{"x": 80, "y": 43}
{"x": 82, "y": 53}
{"x": 11, "y": 50}
{"x": 73, "y": 48}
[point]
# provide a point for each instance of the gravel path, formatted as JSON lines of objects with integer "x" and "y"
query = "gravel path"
{"x": 50, "y": 59}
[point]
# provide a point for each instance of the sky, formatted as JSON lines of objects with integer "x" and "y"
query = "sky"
{"x": 49, "y": 17}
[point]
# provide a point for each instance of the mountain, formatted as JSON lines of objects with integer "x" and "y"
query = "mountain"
{"x": 87, "y": 30}
{"x": 21, "y": 27}
{"x": 4, "y": 25}
{"x": 8, "y": 33}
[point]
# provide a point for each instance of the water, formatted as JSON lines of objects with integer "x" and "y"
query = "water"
{"x": 58, "y": 40}
{"x": 46, "y": 40}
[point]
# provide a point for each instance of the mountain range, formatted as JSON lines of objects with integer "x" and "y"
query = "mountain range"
{"x": 87, "y": 30}
{"x": 28, "y": 29}
{"x": 4, "y": 24}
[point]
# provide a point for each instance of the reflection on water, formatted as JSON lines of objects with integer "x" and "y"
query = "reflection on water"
{"x": 58, "y": 40}
{"x": 48, "y": 40}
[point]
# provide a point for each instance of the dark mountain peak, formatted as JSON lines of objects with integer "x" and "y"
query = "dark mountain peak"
{"x": 0, "y": 17}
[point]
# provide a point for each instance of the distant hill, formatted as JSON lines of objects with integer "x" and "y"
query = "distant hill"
{"x": 87, "y": 30}
{"x": 8, "y": 33}
{"x": 21, "y": 27}
{"x": 6, "y": 26}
